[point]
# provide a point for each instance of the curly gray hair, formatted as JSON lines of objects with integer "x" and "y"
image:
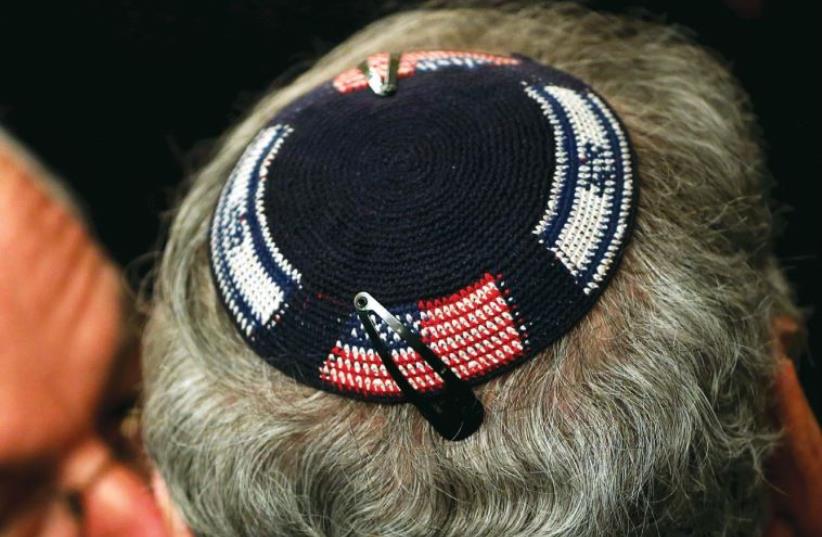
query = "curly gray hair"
{"x": 648, "y": 417}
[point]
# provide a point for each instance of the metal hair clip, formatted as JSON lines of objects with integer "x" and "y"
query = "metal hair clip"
{"x": 455, "y": 412}
{"x": 380, "y": 86}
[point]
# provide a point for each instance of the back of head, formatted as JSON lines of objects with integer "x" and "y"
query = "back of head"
{"x": 647, "y": 416}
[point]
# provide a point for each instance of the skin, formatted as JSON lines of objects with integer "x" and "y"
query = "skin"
{"x": 55, "y": 323}
{"x": 62, "y": 365}
{"x": 61, "y": 329}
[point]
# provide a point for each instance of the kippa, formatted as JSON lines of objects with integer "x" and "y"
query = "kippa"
{"x": 475, "y": 204}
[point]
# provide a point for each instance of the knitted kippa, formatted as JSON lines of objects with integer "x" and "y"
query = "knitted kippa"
{"x": 482, "y": 200}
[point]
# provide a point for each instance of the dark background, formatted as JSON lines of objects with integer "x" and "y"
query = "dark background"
{"x": 123, "y": 97}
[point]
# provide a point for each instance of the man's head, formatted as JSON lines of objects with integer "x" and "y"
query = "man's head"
{"x": 648, "y": 415}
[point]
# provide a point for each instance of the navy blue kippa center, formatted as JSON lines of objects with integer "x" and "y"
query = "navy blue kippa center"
{"x": 485, "y": 203}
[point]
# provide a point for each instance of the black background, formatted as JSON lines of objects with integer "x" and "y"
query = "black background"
{"x": 122, "y": 98}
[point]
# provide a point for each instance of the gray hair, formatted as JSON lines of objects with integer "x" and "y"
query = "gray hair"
{"x": 647, "y": 417}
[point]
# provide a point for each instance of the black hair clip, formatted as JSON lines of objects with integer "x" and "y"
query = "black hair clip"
{"x": 379, "y": 85}
{"x": 455, "y": 412}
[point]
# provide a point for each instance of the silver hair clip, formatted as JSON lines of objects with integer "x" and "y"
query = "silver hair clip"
{"x": 455, "y": 412}
{"x": 379, "y": 85}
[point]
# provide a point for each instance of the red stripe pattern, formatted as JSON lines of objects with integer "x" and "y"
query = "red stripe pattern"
{"x": 473, "y": 331}
{"x": 424, "y": 60}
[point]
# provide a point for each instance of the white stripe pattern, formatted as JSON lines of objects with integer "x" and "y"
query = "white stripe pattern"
{"x": 239, "y": 270}
{"x": 593, "y": 174}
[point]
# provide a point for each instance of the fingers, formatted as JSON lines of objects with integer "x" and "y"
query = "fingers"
{"x": 59, "y": 521}
{"x": 46, "y": 519}
{"x": 112, "y": 500}
{"x": 119, "y": 504}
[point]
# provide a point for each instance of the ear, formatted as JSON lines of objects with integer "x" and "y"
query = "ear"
{"x": 173, "y": 521}
{"x": 795, "y": 469}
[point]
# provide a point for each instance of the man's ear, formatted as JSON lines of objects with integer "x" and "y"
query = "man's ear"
{"x": 175, "y": 526}
{"x": 795, "y": 469}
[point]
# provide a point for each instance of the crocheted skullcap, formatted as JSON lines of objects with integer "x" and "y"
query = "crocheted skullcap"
{"x": 485, "y": 203}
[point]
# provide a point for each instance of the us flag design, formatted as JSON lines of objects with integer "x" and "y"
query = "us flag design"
{"x": 473, "y": 331}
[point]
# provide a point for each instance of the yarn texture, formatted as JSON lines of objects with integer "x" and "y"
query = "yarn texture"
{"x": 486, "y": 204}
